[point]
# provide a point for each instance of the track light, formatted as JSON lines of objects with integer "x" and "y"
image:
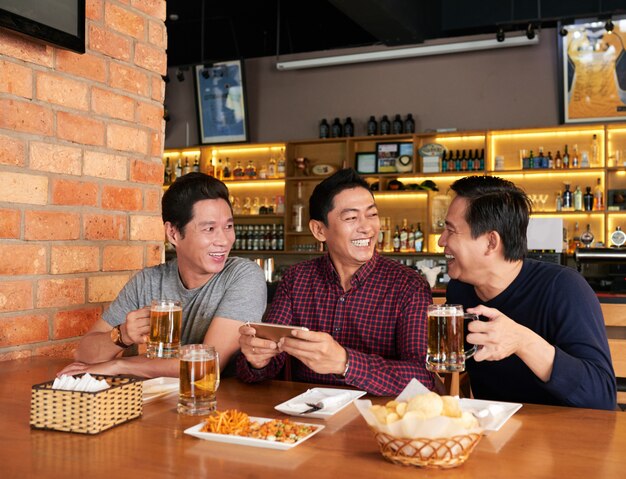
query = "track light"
{"x": 530, "y": 31}
{"x": 180, "y": 75}
{"x": 500, "y": 34}
{"x": 609, "y": 25}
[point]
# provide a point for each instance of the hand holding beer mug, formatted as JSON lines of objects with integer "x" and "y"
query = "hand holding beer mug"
{"x": 166, "y": 317}
{"x": 199, "y": 379}
{"x": 446, "y": 338}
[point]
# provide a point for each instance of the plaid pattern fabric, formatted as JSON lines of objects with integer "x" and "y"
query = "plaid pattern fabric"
{"x": 381, "y": 322}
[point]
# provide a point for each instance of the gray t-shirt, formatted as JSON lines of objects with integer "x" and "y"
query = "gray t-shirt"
{"x": 237, "y": 292}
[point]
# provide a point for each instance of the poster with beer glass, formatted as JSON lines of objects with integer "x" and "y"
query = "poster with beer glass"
{"x": 592, "y": 64}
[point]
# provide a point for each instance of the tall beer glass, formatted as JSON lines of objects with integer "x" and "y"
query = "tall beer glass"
{"x": 199, "y": 379}
{"x": 166, "y": 317}
{"x": 446, "y": 346}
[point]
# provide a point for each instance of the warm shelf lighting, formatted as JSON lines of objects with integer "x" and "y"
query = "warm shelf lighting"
{"x": 460, "y": 138}
{"x": 400, "y": 195}
{"x": 255, "y": 183}
{"x": 249, "y": 149}
{"x": 554, "y": 133}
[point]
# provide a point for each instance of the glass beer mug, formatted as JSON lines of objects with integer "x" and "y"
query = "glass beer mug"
{"x": 446, "y": 351}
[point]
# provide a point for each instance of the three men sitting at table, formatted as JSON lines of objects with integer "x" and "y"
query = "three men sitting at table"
{"x": 366, "y": 314}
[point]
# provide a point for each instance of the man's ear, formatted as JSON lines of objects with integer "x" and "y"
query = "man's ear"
{"x": 171, "y": 233}
{"x": 494, "y": 242}
{"x": 318, "y": 229}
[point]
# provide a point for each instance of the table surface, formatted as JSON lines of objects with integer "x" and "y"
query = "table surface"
{"x": 538, "y": 441}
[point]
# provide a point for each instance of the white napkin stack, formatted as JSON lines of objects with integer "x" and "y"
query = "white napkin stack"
{"x": 323, "y": 402}
{"x": 86, "y": 383}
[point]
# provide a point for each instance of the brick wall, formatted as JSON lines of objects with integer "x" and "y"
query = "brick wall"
{"x": 81, "y": 139}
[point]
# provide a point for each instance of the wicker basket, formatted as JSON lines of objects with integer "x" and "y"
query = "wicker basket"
{"x": 424, "y": 452}
{"x": 86, "y": 412}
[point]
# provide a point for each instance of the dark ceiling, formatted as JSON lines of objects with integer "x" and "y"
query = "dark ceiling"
{"x": 234, "y": 29}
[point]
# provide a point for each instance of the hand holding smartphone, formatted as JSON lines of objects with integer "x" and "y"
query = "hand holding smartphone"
{"x": 274, "y": 332}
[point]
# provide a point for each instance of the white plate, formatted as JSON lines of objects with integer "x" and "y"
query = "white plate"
{"x": 250, "y": 441}
{"x": 159, "y": 387}
{"x": 317, "y": 394}
{"x": 496, "y": 412}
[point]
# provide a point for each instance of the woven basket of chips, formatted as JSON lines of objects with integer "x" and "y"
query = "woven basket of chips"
{"x": 86, "y": 412}
{"x": 442, "y": 453}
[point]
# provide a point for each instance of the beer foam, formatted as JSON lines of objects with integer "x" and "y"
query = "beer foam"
{"x": 166, "y": 309}
{"x": 445, "y": 312}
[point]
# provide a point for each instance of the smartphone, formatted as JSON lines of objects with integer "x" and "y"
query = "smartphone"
{"x": 274, "y": 331}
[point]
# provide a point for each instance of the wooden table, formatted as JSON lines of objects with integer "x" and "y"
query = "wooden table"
{"x": 537, "y": 442}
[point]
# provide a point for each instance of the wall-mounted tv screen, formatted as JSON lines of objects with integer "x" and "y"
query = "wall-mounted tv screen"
{"x": 58, "y": 22}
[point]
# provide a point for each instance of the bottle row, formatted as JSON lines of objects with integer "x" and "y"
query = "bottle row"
{"x": 465, "y": 161}
{"x": 397, "y": 126}
{"x": 585, "y": 159}
{"x": 179, "y": 169}
{"x": 256, "y": 206}
{"x": 266, "y": 237}
{"x": 577, "y": 201}
{"x": 405, "y": 238}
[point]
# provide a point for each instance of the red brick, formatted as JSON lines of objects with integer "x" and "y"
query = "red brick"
{"x": 105, "y": 288}
{"x": 158, "y": 88}
{"x": 152, "y": 200}
{"x": 107, "y": 103}
{"x": 60, "y": 292}
{"x": 51, "y": 225}
{"x": 19, "y": 330}
{"x": 156, "y": 148}
{"x": 86, "y": 65}
{"x": 68, "y": 192}
{"x": 25, "y": 116}
{"x": 55, "y": 158}
{"x": 94, "y": 9}
{"x": 75, "y": 322}
{"x": 16, "y": 295}
{"x": 16, "y": 79}
{"x": 12, "y": 151}
{"x": 108, "y": 42}
{"x": 124, "y": 21}
{"x": 157, "y": 34}
{"x": 62, "y": 91}
{"x": 147, "y": 172}
{"x": 127, "y": 138}
{"x": 24, "y": 188}
{"x": 154, "y": 254}
{"x": 64, "y": 349}
{"x": 20, "y": 259}
{"x": 74, "y": 259}
{"x": 24, "y": 48}
{"x": 120, "y": 198}
{"x": 150, "y": 115}
{"x": 154, "y": 8}
{"x": 128, "y": 79}
{"x": 80, "y": 129}
{"x": 18, "y": 354}
{"x": 10, "y": 223}
{"x": 104, "y": 227}
{"x": 151, "y": 58}
{"x": 104, "y": 165}
{"x": 122, "y": 258}
{"x": 146, "y": 228}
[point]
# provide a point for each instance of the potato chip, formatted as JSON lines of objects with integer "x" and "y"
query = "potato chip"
{"x": 401, "y": 408}
{"x": 391, "y": 404}
{"x": 451, "y": 406}
{"x": 393, "y": 417}
{"x": 428, "y": 404}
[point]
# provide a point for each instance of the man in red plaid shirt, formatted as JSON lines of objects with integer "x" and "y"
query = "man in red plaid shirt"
{"x": 366, "y": 314}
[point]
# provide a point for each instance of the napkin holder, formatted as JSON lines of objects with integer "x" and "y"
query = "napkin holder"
{"x": 86, "y": 412}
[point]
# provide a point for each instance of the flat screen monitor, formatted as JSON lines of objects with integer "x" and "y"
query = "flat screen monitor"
{"x": 58, "y": 22}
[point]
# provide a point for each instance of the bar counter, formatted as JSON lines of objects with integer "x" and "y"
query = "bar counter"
{"x": 538, "y": 441}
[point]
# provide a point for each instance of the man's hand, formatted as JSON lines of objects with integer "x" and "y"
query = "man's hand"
{"x": 258, "y": 352}
{"x": 498, "y": 338}
{"x": 109, "y": 368}
{"x": 136, "y": 329}
{"x": 318, "y": 351}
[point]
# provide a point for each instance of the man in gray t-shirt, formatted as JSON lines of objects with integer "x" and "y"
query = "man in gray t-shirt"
{"x": 218, "y": 293}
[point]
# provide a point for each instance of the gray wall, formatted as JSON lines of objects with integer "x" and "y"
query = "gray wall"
{"x": 506, "y": 88}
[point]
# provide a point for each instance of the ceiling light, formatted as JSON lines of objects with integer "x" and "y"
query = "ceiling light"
{"x": 530, "y": 31}
{"x": 609, "y": 25}
{"x": 500, "y": 34}
{"x": 180, "y": 75}
{"x": 412, "y": 52}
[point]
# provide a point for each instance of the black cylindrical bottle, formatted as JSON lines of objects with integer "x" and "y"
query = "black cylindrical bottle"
{"x": 372, "y": 126}
{"x": 335, "y": 129}
{"x": 396, "y": 126}
{"x": 348, "y": 127}
{"x": 385, "y": 126}
{"x": 409, "y": 124}
{"x": 588, "y": 199}
{"x": 324, "y": 129}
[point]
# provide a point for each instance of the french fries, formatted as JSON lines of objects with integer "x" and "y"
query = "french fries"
{"x": 230, "y": 421}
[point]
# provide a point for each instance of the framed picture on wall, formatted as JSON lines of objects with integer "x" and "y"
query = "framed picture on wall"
{"x": 221, "y": 101}
{"x": 386, "y": 155}
{"x": 365, "y": 162}
{"x": 592, "y": 67}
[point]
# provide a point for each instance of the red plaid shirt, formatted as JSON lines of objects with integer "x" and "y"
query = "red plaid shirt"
{"x": 381, "y": 322}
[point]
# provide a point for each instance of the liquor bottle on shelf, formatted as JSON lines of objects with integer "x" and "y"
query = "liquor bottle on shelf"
{"x": 250, "y": 171}
{"x": 575, "y": 162}
{"x": 372, "y": 126}
{"x": 247, "y": 204}
{"x": 565, "y": 158}
{"x": 463, "y": 161}
{"x": 388, "y": 239}
{"x": 598, "y": 196}
{"x": 297, "y": 212}
{"x": 588, "y": 199}
{"x": 228, "y": 173}
{"x": 594, "y": 151}
{"x": 550, "y": 161}
{"x": 348, "y": 127}
{"x": 574, "y": 240}
{"x": 196, "y": 165}
{"x": 219, "y": 170}
{"x": 470, "y": 160}
{"x": 396, "y": 125}
{"x": 396, "y": 239}
{"x": 237, "y": 210}
{"x": 238, "y": 172}
{"x": 568, "y": 203}
{"x": 210, "y": 168}
{"x": 256, "y": 206}
{"x": 558, "y": 203}
{"x": 531, "y": 160}
{"x": 167, "y": 173}
{"x": 457, "y": 161}
{"x": 409, "y": 124}
{"x": 324, "y": 129}
{"x": 411, "y": 240}
{"x": 280, "y": 239}
{"x": 558, "y": 161}
{"x": 335, "y": 129}
{"x": 404, "y": 236}
{"x": 263, "y": 172}
{"x": 380, "y": 241}
{"x": 281, "y": 164}
{"x": 419, "y": 238}
{"x": 578, "y": 199}
{"x": 271, "y": 168}
{"x": 178, "y": 170}
{"x": 187, "y": 167}
{"x": 587, "y": 237}
{"x": 385, "y": 125}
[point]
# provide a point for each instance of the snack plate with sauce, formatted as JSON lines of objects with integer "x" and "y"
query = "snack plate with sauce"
{"x": 251, "y": 441}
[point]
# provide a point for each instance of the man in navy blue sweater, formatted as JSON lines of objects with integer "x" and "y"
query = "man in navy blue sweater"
{"x": 543, "y": 339}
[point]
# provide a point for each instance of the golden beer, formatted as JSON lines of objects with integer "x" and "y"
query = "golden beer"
{"x": 199, "y": 379}
{"x": 446, "y": 346}
{"x": 166, "y": 319}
